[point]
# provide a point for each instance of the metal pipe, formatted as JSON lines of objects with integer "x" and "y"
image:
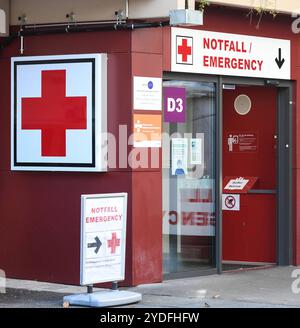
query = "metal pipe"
{"x": 35, "y": 30}
{"x": 31, "y": 30}
{"x": 71, "y": 24}
{"x": 218, "y": 168}
{"x": 114, "y": 285}
{"x": 22, "y": 45}
{"x": 90, "y": 289}
{"x": 126, "y": 9}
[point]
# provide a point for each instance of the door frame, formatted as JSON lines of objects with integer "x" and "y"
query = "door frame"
{"x": 284, "y": 112}
{"x": 208, "y": 79}
{"x": 284, "y": 189}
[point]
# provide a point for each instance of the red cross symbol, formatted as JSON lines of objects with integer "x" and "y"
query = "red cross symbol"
{"x": 54, "y": 113}
{"x": 113, "y": 243}
{"x": 184, "y": 50}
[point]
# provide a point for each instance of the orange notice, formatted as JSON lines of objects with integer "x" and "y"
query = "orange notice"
{"x": 147, "y": 130}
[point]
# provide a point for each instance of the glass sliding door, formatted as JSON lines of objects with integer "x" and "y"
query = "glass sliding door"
{"x": 189, "y": 228}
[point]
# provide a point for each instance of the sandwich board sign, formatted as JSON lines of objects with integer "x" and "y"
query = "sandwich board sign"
{"x": 102, "y": 250}
{"x": 103, "y": 238}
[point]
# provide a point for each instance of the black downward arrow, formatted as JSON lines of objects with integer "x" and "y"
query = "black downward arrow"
{"x": 279, "y": 60}
{"x": 97, "y": 244}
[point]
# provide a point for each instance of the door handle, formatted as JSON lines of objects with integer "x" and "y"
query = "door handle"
{"x": 263, "y": 191}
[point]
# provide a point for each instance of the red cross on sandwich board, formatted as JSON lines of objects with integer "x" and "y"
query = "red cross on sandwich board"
{"x": 113, "y": 243}
{"x": 54, "y": 113}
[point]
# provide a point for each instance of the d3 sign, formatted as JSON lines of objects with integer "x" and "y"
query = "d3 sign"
{"x": 174, "y": 105}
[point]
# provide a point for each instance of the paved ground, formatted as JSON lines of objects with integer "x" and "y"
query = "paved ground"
{"x": 254, "y": 288}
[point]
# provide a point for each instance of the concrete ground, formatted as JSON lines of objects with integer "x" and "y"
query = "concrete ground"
{"x": 247, "y": 289}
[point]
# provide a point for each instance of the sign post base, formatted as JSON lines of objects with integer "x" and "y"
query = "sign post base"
{"x": 104, "y": 298}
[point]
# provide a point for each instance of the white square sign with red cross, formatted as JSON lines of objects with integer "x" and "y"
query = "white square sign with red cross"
{"x": 59, "y": 106}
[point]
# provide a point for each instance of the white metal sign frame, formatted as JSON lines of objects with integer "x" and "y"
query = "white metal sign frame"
{"x": 85, "y": 77}
{"x": 117, "y": 271}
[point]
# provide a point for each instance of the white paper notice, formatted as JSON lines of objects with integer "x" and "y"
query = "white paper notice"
{"x": 236, "y": 184}
{"x": 147, "y": 93}
{"x": 179, "y": 156}
{"x": 196, "y": 151}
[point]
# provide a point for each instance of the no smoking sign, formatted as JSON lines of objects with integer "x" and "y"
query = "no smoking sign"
{"x": 231, "y": 202}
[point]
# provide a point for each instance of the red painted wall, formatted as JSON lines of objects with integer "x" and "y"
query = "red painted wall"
{"x": 147, "y": 60}
{"x": 40, "y": 211}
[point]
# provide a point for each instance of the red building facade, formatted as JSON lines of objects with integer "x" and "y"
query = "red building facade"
{"x": 40, "y": 211}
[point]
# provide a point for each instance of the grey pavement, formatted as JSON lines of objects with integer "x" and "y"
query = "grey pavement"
{"x": 262, "y": 288}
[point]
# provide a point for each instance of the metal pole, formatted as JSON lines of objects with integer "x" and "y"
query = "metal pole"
{"x": 90, "y": 289}
{"x": 219, "y": 177}
{"x": 114, "y": 285}
{"x": 126, "y": 9}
